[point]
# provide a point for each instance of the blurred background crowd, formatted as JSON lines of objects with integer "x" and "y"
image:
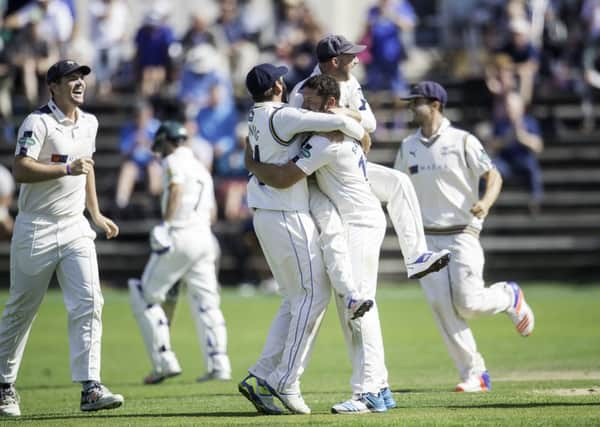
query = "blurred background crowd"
{"x": 188, "y": 60}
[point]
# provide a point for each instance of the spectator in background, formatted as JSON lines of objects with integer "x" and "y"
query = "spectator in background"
{"x": 201, "y": 148}
{"x": 515, "y": 146}
{"x": 524, "y": 56}
{"x": 500, "y": 80}
{"x": 387, "y": 22}
{"x": 108, "y": 29}
{"x": 54, "y": 18}
{"x": 207, "y": 95}
{"x": 197, "y": 33}
{"x": 136, "y": 146}
{"x": 32, "y": 54}
{"x": 7, "y": 189}
{"x": 153, "y": 40}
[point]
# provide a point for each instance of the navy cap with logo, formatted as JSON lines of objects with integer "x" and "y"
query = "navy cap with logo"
{"x": 64, "y": 68}
{"x": 335, "y": 45}
{"x": 262, "y": 77}
{"x": 427, "y": 89}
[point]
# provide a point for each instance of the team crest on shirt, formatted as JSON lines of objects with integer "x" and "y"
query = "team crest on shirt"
{"x": 27, "y": 138}
{"x": 59, "y": 158}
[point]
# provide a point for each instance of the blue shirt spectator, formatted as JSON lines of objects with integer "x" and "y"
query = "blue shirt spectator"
{"x": 152, "y": 42}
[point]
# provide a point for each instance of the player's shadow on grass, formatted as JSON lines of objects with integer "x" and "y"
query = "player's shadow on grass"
{"x": 58, "y": 417}
{"x": 522, "y": 405}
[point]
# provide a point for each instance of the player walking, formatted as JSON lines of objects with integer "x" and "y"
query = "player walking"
{"x": 182, "y": 250}
{"x": 289, "y": 240}
{"x": 54, "y": 165}
{"x": 445, "y": 165}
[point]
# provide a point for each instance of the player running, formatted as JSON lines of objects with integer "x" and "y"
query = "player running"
{"x": 445, "y": 165}
{"x": 54, "y": 165}
{"x": 182, "y": 250}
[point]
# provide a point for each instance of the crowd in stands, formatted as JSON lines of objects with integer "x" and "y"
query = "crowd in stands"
{"x": 519, "y": 47}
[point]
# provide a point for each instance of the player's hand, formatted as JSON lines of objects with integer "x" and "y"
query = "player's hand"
{"x": 480, "y": 209}
{"x": 333, "y": 136}
{"x": 81, "y": 166}
{"x": 110, "y": 228}
{"x": 365, "y": 142}
{"x": 160, "y": 238}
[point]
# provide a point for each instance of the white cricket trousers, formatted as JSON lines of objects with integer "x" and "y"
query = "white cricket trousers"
{"x": 290, "y": 244}
{"x": 396, "y": 189}
{"x": 458, "y": 293}
{"x": 191, "y": 259}
{"x": 40, "y": 246}
{"x": 363, "y": 336}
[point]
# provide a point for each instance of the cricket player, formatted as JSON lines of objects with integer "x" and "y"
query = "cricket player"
{"x": 289, "y": 240}
{"x": 445, "y": 165}
{"x": 340, "y": 169}
{"x": 54, "y": 165}
{"x": 182, "y": 250}
{"x": 337, "y": 58}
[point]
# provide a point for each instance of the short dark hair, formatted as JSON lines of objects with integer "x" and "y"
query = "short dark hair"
{"x": 325, "y": 85}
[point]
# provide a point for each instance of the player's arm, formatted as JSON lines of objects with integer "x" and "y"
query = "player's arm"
{"x": 277, "y": 176}
{"x": 91, "y": 202}
{"x": 288, "y": 122}
{"x": 27, "y": 169}
{"x": 173, "y": 201}
{"x": 493, "y": 186}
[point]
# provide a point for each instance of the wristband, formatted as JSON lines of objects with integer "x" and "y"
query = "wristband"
{"x": 68, "y": 169}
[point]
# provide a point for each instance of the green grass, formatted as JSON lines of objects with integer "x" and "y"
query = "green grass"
{"x": 563, "y": 353}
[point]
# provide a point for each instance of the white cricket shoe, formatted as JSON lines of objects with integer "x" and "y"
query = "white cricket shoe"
{"x": 519, "y": 312}
{"x": 476, "y": 384}
{"x": 9, "y": 402}
{"x": 357, "y": 307}
{"x": 169, "y": 367}
{"x": 428, "y": 262}
{"x": 99, "y": 397}
{"x": 361, "y": 404}
{"x": 292, "y": 401}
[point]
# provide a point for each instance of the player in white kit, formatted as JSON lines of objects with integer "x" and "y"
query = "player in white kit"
{"x": 445, "y": 165}
{"x": 337, "y": 58}
{"x": 182, "y": 250}
{"x": 54, "y": 165}
{"x": 289, "y": 240}
{"x": 340, "y": 169}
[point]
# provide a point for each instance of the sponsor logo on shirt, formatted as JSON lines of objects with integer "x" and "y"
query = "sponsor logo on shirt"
{"x": 413, "y": 169}
{"x": 27, "y": 138}
{"x": 59, "y": 158}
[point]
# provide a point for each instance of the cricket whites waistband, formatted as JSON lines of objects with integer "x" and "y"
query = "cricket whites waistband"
{"x": 456, "y": 229}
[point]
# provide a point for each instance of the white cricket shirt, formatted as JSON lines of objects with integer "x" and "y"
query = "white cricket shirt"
{"x": 445, "y": 170}
{"x": 340, "y": 169}
{"x": 50, "y": 137}
{"x": 351, "y": 96}
{"x": 198, "y": 197}
{"x": 274, "y": 132}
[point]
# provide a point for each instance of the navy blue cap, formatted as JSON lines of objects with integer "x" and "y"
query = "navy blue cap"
{"x": 64, "y": 68}
{"x": 335, "y": 45}
{"x": 262, "y": 77}
{"x": 427, "y": 89}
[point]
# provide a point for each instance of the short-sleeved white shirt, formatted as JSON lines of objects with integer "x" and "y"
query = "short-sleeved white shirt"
{"x": 340, "y": 169}
{"x": 198, "y": 197}
{"x": 275, "y": 131}
{"x": 351, "y": 96}
{"x": 445, "y": 170}
{"x": 51, "y": 138}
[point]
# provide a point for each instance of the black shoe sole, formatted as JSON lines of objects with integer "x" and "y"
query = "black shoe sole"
{"x": 248, "y": 395}
{"x": 364, "y": 308}
{"x": 436, "y": 266}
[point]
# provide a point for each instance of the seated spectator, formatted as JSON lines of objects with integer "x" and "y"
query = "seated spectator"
{"x": 524, "y": 56}
{"x": 7, "y": 189}
{"x": 386, "y": 23}
{"x": 197, "y": 33}
{"x": 500, "y": 80}
{"x": 108, "y": 29}
{"x": 153, "y": 62}
{"x": 207, "y": 95}
{"x": 515, "y": 146}
{"x": 203, "y": 150}
{"x": 136, "y": 145}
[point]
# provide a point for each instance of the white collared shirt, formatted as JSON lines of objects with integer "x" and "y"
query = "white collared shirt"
{"x": 351, "y": 96}
{"x": 445, "y": 171}
{"x": 50, "y": 137}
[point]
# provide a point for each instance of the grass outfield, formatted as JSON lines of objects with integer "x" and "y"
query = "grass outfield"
{"x": 550, "y": 378}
